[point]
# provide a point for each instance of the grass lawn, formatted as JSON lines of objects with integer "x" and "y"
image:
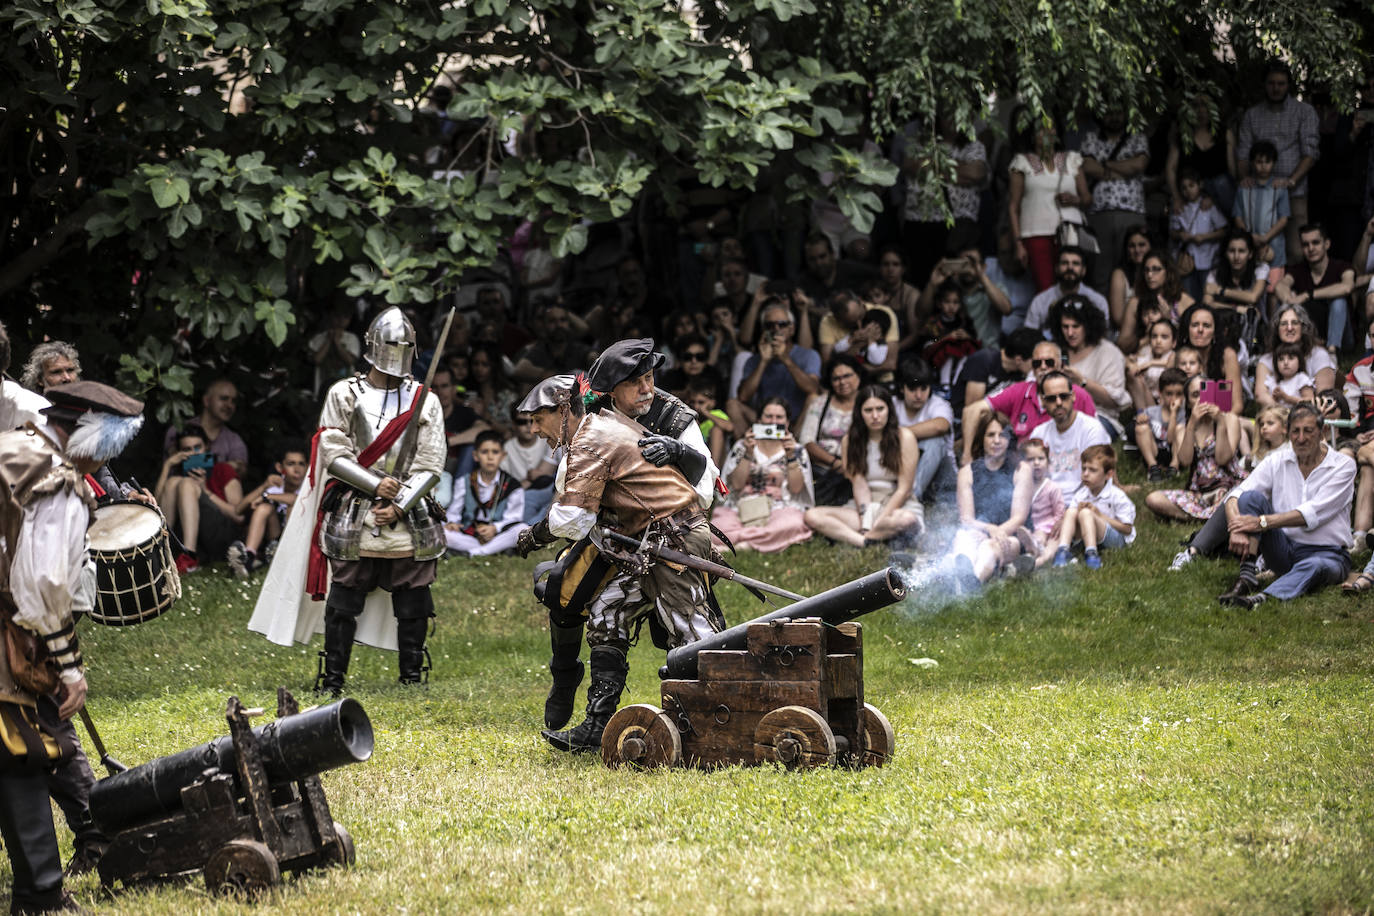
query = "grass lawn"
{"x": 1089, "y": 742}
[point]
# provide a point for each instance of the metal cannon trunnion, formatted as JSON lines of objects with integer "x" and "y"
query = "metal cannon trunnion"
{"x": 784, "y": 688}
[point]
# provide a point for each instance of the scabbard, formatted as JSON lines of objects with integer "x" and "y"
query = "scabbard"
{"x": 670, "y": 555}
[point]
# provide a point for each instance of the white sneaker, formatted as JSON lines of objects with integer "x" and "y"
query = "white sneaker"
{"x": 238, "y": 559}
{"x": 1181, "y": 559}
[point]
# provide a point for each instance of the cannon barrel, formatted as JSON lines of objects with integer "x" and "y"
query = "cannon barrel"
{"x": 293, "y": 747}
{"x": 843, "y": 602}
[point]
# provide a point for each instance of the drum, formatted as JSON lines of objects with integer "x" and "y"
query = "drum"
{"x": 135, "y": 574}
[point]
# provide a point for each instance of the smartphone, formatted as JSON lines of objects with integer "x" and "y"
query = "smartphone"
{"x": 769, "y": 430}
{"x": 1216, "y": 392}
{"x": 200, "y": 461}
{"x": 954, "y": 265}
{"x": 870, "y": 515}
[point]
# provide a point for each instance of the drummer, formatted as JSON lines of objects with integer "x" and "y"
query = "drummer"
{"x": 44, "y": 512}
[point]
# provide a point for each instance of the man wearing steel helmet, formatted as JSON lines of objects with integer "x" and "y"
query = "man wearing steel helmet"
{"x": 378, "y": 529}
{"x": 606, "y": 479}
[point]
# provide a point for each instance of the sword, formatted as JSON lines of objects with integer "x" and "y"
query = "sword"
{"x": 686, "y": 559}
{"x": 111, "y": 765}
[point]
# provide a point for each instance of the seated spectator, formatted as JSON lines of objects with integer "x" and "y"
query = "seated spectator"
{"x": 984, "y": 301}
{"x": 484, "y": 517}
{"x": 825, "y": 425}
{"x": 992, "y": 368}
{"x": 531, "y": 464}
{"x": 1292, "y": 325}
{"x": 994, "y": 503}
{"x": 555, "y": 348}
{"x": 489, "y": 392}
{"x": 1046, "y": 502}
{"x": 494, "y": 324}
{"x": 848, "y": 329}
{"x": 947, "y": 340}
{"x": 722, "y": 334}
{"x": 1271, "y": 434}
{"x": 1290, "y": 384}
{"x": 1157, "y": 427}
{"x": 1011, "y": 277}
{"x": 1198, "y": 327}
{"x": 1095, "y": 364}
{"x": 931, "y": 421}
{"x": 735, "y": 281}
{"x": 1209, "y": 442}
{"x": 1295, "y": 511}
{"x": 900, "y": 296}
{"x": 1321, "y": 284}
{"x": 1159, "y": 292}
{"x": 1068, "y": 282}
{"x": 1100, "y": 515}
{"x": 1067, "y": 433}
{"x": 1125, "y": 277}
{"x": 1359, "y": 397}
{"x": 1238, "y": 278}
{"x": 1197, "y": 230}
{"x": 461, "y": 424}
{"x": 770, "y": 487}
{"x": 680, "y": 323}
{"x": 1144, "y": 369}
{"x": 825, "y": 274}
{"x": 777, "y": 368}
{"x": 693, "y": 365}
{"x": 716, "y": 428}
{"x": 218, "y": 404}
{"x": 1019, "y": 404}
{"x": 880, "y": 460}
{"x": 268, "y": 506}
{"x": 199, "y": 495}
{"x": 53, "y": 362}
{"x": 1263, "y": 209}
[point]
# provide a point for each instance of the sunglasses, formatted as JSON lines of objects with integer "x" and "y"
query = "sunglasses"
{"x": 694, "y": 356}
{"x": 1154, "y": 268}
{"x": 1044, "y": 363}
{"x": 777, "y": 325}
{"x": 527, "y": 421}
{"x": 1056, "y": 398}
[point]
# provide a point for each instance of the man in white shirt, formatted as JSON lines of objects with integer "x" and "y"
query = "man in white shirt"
{"x": 1069, "y": 273}
{"x": 1066, "y": 434}
{"x": 18, "y": 405}
{"x": 1295, "y": 510}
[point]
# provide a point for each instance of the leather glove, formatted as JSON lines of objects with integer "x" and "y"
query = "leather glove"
{"x": 661, "y": 450}
{"x": 531, "y": 539}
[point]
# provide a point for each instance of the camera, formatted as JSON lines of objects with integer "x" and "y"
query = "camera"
{"x": 769, "y": 430}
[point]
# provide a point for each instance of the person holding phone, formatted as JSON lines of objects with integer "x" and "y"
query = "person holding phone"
{"x": 1210, "y": 442}
{"x": 770, "y": 486}
{"x": 1199, "y": 328}
{"x": 199, "y": 497}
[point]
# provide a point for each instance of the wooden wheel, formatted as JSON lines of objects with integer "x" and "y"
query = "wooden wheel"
{"x": 880, "y": 741}
{"x": 342, "y": 852}
{"x": 242, "y": 868}
{"x": 796, "y": 737}
{"x": 641, "y": 735}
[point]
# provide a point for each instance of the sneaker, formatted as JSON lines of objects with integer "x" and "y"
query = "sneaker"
{"x": 1244, "y": 602}
{"x": 1155, "y": 474}
{"x": 1170, "y": 472}
{"x": 240, "y": 560}
{"x": 186, "y": 564}
{"x": 1182, "y": 559}
{"x": 269, "y": 552}
{"x": 1092, "y": 559}
{"x": 1061, "y": 557}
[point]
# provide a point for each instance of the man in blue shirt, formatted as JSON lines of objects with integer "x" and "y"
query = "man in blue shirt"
{"x": 778, "y": 368}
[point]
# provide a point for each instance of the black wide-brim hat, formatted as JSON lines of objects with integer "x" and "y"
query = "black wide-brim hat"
{"x": 622, "y": 361}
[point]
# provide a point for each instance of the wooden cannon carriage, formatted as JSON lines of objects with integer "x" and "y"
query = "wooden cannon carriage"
{"x": 785, "y": 688}
{"x": 239, "y": 809}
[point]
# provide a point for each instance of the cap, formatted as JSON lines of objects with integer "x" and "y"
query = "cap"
{"x": 554, "y": 391}
{"x": 622, "y": 361}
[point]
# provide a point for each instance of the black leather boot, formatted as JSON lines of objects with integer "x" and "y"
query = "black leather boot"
{"x": 338, "y": 648}
{"x": 566, "y": 669}
{"x": 410, "y": 643}
{"x": 603, "y": 696}
{"x": 30, "y": 840}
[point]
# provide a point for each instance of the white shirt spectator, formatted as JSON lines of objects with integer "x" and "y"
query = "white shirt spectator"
{"x": 1323, "y": 497}
{"x": 1066, "y": 449}
{"x": 1113, "y": 502}
{"x": 936, "y": 408}
{"x": 520, "y": 459}
{"x": 1039, "y": 310}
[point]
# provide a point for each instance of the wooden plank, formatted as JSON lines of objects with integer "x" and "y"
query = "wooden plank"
{"x": 842, "y": 678}
{"x": 738, "y": 665}
{"x": 710, "y": 742}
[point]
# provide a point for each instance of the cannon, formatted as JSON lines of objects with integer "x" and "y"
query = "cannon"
{"x": 241, "y": 808}
{"x": 783, "y": 688}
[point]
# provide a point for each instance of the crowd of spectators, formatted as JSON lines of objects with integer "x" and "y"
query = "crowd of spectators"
{"x": 1098, "y": 294}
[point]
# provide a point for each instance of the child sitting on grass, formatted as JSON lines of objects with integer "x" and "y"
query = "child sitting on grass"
{"x": 484, "y": 516}
{"x": 1047, "y": 500}
{"x": 1100, "y": 515}
{"x": 271, "y": 506}
{"x": 1156, "y": 428}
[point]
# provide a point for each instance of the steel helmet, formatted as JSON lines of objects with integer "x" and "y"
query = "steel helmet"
{"x": 390, "y": 343}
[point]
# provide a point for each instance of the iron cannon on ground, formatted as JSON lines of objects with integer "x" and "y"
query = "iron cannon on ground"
{"x": 241, "y": 808}
{"x": 786, "y": 687}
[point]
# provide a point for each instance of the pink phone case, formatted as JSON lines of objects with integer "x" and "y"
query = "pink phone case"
{"x": 1218, "y": 393}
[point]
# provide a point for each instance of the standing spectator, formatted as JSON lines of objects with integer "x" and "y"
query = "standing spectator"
{"x": 1019, "y": 404}
{"x": 1197, "y": 230}
{"x": 994, "y": 502}
{"x": 1292, "y": 325}
{"x": 770, "y": 488}
{"x": 1292, "y": 127}
{"x": 1126, "y": 275}
{"x": 1048, "y": 187}
{"x": 217, "y": 405}
{"x": 1068, "y": 281}
{"x": 880, "y": 460}
{"x": 1199, "y": 328}
{"x": 1210, "y": 442}
{"x": 1321, "y": 284}
{"x": 930, "y": 200}
{"x": 1295, "y": 511}
{"x": 1158, "y": 294}
{"x": 1095, "y": 364}
{"x": 494, "y": 324}
{"x": 1116, "y": 160}
{"x": 1066, "y": 434}
{"x": 1264, "y": 210}
{"x": 335, "y": 350}
{"x": 777, "y": 368}
{"x": 54, "y": 362}
{"x": 1208, "y": 153}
